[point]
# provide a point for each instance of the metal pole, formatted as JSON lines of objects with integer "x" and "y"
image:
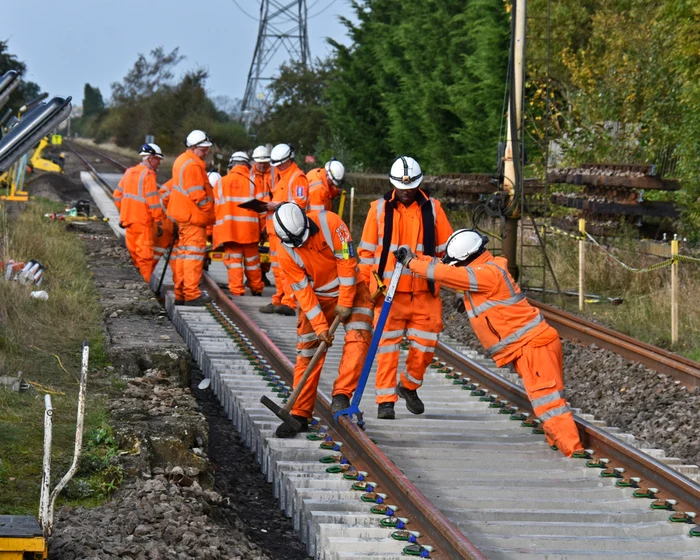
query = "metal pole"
{"x": 352, "y": 206}
{"x": 674, "y": 292}
{"x": 581, "y": 262}
{"x": 46, "y": 472}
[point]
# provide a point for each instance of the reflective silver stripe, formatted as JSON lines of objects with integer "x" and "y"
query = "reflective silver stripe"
{"x": 191, "y": 248}
{"x": 422, "y": 348}
{"x": 290, "y": 194}
{"x": 193, "y": 189}
{"x": 515, "y": 336}
{"x": 505, "y": 277}
{"x": 295, "y": 257}
{"x": 412, "y": 379}
{"x": 368, "y": 261}
{"x": 368, "y": 246}
{"x": 317, "y": 207}
{"x": 192, "y": 257}
{"x": 546, "y": 399}
{"x": 390, "y": 273}
{"x": 441, "y": 248}
{"x": 327, "y": 294}
{"x": 205, "y": 200}
{"x": 154, "y": 205}
{"x": 159, "y": 249}
{"x": 422, "y": 334}
{"x": 420, "y": 247}
{"x": 152, "y": 193}
{"x": 235, "y": 219}
{"x": 431, "y": 270}
{"x": 223, "y": 199}
{"x": 358, "y": 326}
{"x": 493, "y": 303}
{"x": 313, "y": 312}
{"x": 178, "y": 187}
{"x": 471, "y": 301}
{"x": 380, "y": 211}
{"x": 554, "y": 412}
{"x": 307, "y": 352}
{"x": 300, "y": 285}
{"x": 234, "y": 265}
{"x": 314, "y": 186}
{"x": 389, "y": 349}
{"x": 347, "y": 281}
{"x": 362, "y": 311}
{"x": 253, "y": 258}
{"x": 134, "y": 197}
{"x": 380, "y": 392}
{"x": 310, "y": 337}
{"x": 393, "y": 334}
{"x": 233, "y": 255}
{"x": 326, "y": 287}
{"x": 252, "y": 267}
{"x": 323, "y": 220}
{"x": 473, "y": 284}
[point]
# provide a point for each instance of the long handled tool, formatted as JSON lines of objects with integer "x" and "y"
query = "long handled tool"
{"x": 167, "y": 261}
{"x": 372, "y": 352}
{"x": 285, "y": 413}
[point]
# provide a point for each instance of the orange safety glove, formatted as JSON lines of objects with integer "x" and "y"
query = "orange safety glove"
{"x": 325, "y": 337}
{"x": 343, "y": 312}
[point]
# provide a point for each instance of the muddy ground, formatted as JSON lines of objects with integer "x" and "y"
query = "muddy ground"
{"x": 191, "y": 488}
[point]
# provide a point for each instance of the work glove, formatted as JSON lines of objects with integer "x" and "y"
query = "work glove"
{"x": 404, "y": 255}
{"x": 459, "y": 303}
{"x": 325, "y": 337}
{"x": 342, "y": 312}
{"x": 159, "y": 230}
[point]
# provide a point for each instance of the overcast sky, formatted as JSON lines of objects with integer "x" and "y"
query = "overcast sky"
{"x": 66, "y": 44}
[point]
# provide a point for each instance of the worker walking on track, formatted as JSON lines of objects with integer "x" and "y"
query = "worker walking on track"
{"x": 164, "y": 232}
{"x": 238, "y": 229}
{"x": 404, "y": 217}
{"x": 318, "y": 256}
{"x": 136, "y": 198}
{"x": 192, "y": 207}
{"x": 289, "y": 184}
{"x": 324, "y": 183}
{"x": 510, "y": 329}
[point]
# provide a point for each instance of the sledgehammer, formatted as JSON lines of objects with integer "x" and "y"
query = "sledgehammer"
{"x": 284, "y": 414}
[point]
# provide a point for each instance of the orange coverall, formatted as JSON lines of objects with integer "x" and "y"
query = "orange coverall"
{"x": 512, "y": 331}
{"x": 321, "y": 190}
{"x": 323, "y": 273}
{"x": 238, "y": 229}
{"x": 291, "y": 185}
{"x": 191, "y": 206}
{"x": 136, "y": 198}
{"x": 416, "y": 311}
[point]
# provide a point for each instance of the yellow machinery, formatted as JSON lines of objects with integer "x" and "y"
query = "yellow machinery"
{"x": 13, "y": 181}
{"x": 21, "y": 538}
{"x": 47, "y": 163}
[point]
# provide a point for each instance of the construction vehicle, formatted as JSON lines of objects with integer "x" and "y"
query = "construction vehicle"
{"x": 46, "y": 162}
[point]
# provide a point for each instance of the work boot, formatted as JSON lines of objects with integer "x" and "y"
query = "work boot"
{"x": 179, "y": 302}
{"x": 256, "y": 294}
{"x": 413, "y": 402}
{"x": 386, "y": 411}
{"x": 284, "y": 310}
{"x": 201, "y": 300}
{"x": 340, "y": 402}
{"x": 285, "y": 430}
{"x": 269, "y": 308}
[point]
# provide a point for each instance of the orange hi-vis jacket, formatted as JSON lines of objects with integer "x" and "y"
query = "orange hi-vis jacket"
{"x": 233, "y": 223}
{"x": 191, "y": 198}
{"x": 502, "y": 319}
{"x": 164, "y": 192}
{"x": 291, "y": 185}
{"x": 263, "y": 183}
{"x": 324, "y": 267}
{"x": 136, "y": 197}
{"x": 321, "y": 190}
{"x": 422, "y": 226}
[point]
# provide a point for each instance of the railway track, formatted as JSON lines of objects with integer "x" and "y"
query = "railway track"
{"x": 468, "y": 475}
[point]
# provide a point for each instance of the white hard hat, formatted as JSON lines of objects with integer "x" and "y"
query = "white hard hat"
{"x": 281, "y": 153}
{"x": 214, "y": 178}
{"x": 198, "y": 139}
{"x": 405, "y": 173}
{"x": 261, "y": 154}
{"x": 335, "y": 171}
{"x": 239, "y": 157}
{"x": 291, "y": 224}
{"x": 463, "y": 244}
{"x": 151, "y": 150}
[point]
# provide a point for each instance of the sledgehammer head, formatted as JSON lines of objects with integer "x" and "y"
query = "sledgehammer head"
{"x": 281, "y": 413}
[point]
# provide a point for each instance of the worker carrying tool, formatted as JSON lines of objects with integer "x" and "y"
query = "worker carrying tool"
{"x": 136, "y": 198}
{"x": 406, "y": 216}
{"x": 510, "y": 329}
{"x": 324, "y": 183}
{"x": 318, "y": 257}
{"x": 237, "y": 230}
{"x": 191, "y": 206}
{"x": 289, "y": 184}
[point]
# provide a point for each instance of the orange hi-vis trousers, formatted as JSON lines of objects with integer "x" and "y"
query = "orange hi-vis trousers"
{"x": 239, "y": 258}
{"x": 418, "y": 317}
{"x": 189, "y": 264}
{"x": 139, "y": 242}
{"x": 541, "y": 367}
{"x": 284, "y": 295}
{"x": 358, "y": 335}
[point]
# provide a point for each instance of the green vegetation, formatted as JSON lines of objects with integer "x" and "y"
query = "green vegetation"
{"x": 42, "y": 339}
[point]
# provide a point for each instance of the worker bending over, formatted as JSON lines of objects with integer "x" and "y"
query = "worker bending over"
{"x": 510, "y": 329}
{"x": 192, "y": 207}
{"x": 136, "y": 198}
{"x": 324, "y": 183}
{"x": 404, "y": 217}
{"x": 318, "y": 257}
{"x": 237, "y": 229}
{"x": 289, "y": 184}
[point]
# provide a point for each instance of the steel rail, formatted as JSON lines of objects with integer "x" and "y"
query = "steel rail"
{"x": 437, "y": 530}
{"x": 114, "y": 162}
{"x": 576, "y": 328}
{"x": 670, "y": 483}
{"x": 92, "y": 169}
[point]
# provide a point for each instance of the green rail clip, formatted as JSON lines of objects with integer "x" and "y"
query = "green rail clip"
{"x": 417, "y": 550}
{"x": 404, "y": 535}
{"x": 649, "y": 493}
{"x": 663, "y": 504}
{"x": 681, "y": 517}
{"x": 362, "y": 486}
{"x": 695, "y": 531}
{"x": 315, "y": 436}
{"x": 393, "y": 522}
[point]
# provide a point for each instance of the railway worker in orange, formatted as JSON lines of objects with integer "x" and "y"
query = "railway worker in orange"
{"x": 324, "y": 183}
{"x": 136, "y": 198}
{"x": 510, "y": 329}
{"x": 262, "y": 175}
{"x": 238, "y": 229}
{"x": 192, "y": 207}
{"x": 406, "y": 216}
{"x": 164, "y": 232}
{"x": 318, "y": 256}
{"x": 289, "y": 184}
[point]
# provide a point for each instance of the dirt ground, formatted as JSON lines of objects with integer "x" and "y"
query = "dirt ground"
{"x": 191, "y": 488}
